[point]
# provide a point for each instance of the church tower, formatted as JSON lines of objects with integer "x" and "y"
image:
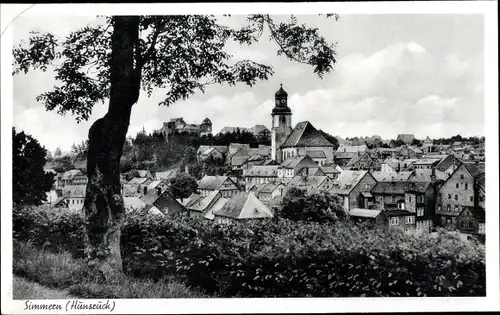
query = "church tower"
{"x": 281, "y": 124}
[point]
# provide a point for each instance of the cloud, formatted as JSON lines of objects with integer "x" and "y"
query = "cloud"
{"x": 410, "y": 84}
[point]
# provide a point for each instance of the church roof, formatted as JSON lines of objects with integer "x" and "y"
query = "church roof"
{"x": 281, "y": 92}
{"x": 305, "y": 135}
{"x": 206, "y": 121}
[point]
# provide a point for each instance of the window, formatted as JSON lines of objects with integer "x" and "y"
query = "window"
{"x": 409, "y": 198}
{"x": 456, "y": 197}
{"x": 420, "y": 212}
{"x": 456, "y": 208}
{"x": 466, "y": 186}
{"x": 393, "y": 198}
{"x": 448, "y": 208}
{"x": 462, "y": 225}
{"x": 410, "y": 219}
{"x": 449, "y": 196}
{"x": 481, "y": 198}
{"x": 471, "y": 225}
{"x": 394, "y": 221}
{"x": 439, "y": 208}
{"x": 471, "y": 198}
{"x": 457, "y": 185}
{"x": 367, "y": 186}
{"x": 461, "y": 176}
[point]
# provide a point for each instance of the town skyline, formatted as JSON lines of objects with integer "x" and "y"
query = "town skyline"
{"x": 406, "y": 81}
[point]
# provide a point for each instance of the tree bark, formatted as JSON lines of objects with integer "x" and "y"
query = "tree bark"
{"x": 103, "y": 207}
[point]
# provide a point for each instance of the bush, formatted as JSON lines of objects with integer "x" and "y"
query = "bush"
{"x": 284, "y": 258}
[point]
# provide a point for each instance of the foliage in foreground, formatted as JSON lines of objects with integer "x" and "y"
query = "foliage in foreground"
{"x": 278, "y": 257}
{"x": 60, "y": 270}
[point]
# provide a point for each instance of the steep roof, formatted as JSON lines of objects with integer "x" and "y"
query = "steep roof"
{"x": 305, "y": 135}
{"x": 352, "y": 148}
{"x": 329, "y": 169}
{"x": 446, "y": 162}
{"x": 364, "y": 213}
{"x": 391, "y": 176}
{"x": 347, "y": 180}
{"x": 419, "y": 187}
{"x": 475, "y": 169}
{"x": 407, "y": 138}
{"x": 209, "y": 212}
{"x": 425, "y": 175}
{"x": 316, "y": 154}
{"x": 262, "y": 171}
{"x": 292, "y": 162}
{"x": 74, "y": 191}
{"x": 357, "y": 157}
{"x": 244, "y": 205}
{"x": 389, "y": 188}
{"x": 201, "y": 204}
{"x": 311, "y": 182}
{"x": 212, "y": 182}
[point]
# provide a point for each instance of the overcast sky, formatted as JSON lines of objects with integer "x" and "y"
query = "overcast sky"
{"x": 420, "y": 74}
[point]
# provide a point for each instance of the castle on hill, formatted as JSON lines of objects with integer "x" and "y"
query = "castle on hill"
{"x": 179, "y": 126}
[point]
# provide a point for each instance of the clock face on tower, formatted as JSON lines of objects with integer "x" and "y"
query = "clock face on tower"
{"x": 283, "y": 101}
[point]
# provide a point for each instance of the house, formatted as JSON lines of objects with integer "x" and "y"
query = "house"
{"x": 376, "y": 218}
{"x": 427, "y": 175}
{"x": 260, "y": 174}
{"x": 311, "y": 183}
{"x": 330, "y": 171}
{"x": 136, "y": 205}
{"x": 238, "y": 159}
{"x": 311, "y": 171}
{"x": 401, "y": 219}
{"x": 200, "y": 206}
{"x": 464, "y": 188}
{"x": 306, "y": 138}
{"x": 408, "y": 152}
{"x": 254, "y": 160}
{"x": 447, "y": 164}
{"x": 406, "y": 138}
{"x": 224, "y": 184}
{"x": 360, "y": 161}
{"x": 420, "y": 198}
{"x": 389, "y": 195}
{"x": 382, "y": 176}
{"x": 426, "y": 163}
{"x": 204, "y": 148}
{"x": 163, "y": 201}
{"x": 268, "y": 191}
{"x": 384, "y": 153}
{"x": 211, "y": 154}
{"x": 354, "y": 188}
{"x": 73, "y": 178}
{"x": 471, "y": 220}
{"x": 290, "y": 167}
{"x": 318, "y": 156}
{"x": 72, "y": 197}
{"x": 345, "y": 153}
{"x": 137, "y": 186}
{"x": 142, "y": 174}
{"x": 242, "y": 206}
{"x": 390, "y": 165}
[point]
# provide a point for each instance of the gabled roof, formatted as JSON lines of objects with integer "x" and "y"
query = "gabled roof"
{"x": 244, "y": 205}
{"x": 201, "y": 204}
{"x": 477, "y": 212}
{"x": 138, "y": 181}
{"x": 212, "y": 182}
{"x": 209, "y": 213}
{"x": 407, "y": 138}
{"x": 311, "y": 182}
{"x": 475, "y": 169}
{"x": 347, "y": 180}
{"x": 446, "y": 162}
{"x": 74, "y": 191}
{"x": 305, "y": 135}
{"x": 391, "y": 176}
{"x": 316, "y": 154}
{"x": 292, "y": 162}
{"x": 262, "y": 171}
{"x": 357, "y": 157}
{"x": 417, "y": 187}
{"x": 189, "y": 201}
{"x": 312, "y": 171}
{"x": 352, "y": 148}
{"x": 329, "y": 169}
{"x": 141, "y": 173}
{"x": 364, "y": 213}
{"x": 389, "y": 188}
{"x": 268, "y": 187}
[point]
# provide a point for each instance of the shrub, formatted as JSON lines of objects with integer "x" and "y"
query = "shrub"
{"x": 285, "y": 258}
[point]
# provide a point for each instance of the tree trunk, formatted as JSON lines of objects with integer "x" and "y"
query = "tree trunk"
{"x": 103, "y": 206}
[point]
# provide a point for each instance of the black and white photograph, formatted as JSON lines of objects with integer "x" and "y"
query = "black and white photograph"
{"x": 204, "y": 158}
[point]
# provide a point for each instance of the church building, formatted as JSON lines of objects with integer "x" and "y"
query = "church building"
{"x": 302, "y": 140}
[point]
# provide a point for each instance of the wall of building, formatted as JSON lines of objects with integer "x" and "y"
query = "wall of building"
{"x": 453, "y": 195}
{"x": 355, "y": 195}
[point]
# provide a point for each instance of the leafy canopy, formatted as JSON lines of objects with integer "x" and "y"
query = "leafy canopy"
{"x": 29, "y": 180}
{"x": 181, "y": 54}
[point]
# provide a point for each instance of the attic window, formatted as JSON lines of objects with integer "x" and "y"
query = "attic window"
{"x": 256, "y": 210}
